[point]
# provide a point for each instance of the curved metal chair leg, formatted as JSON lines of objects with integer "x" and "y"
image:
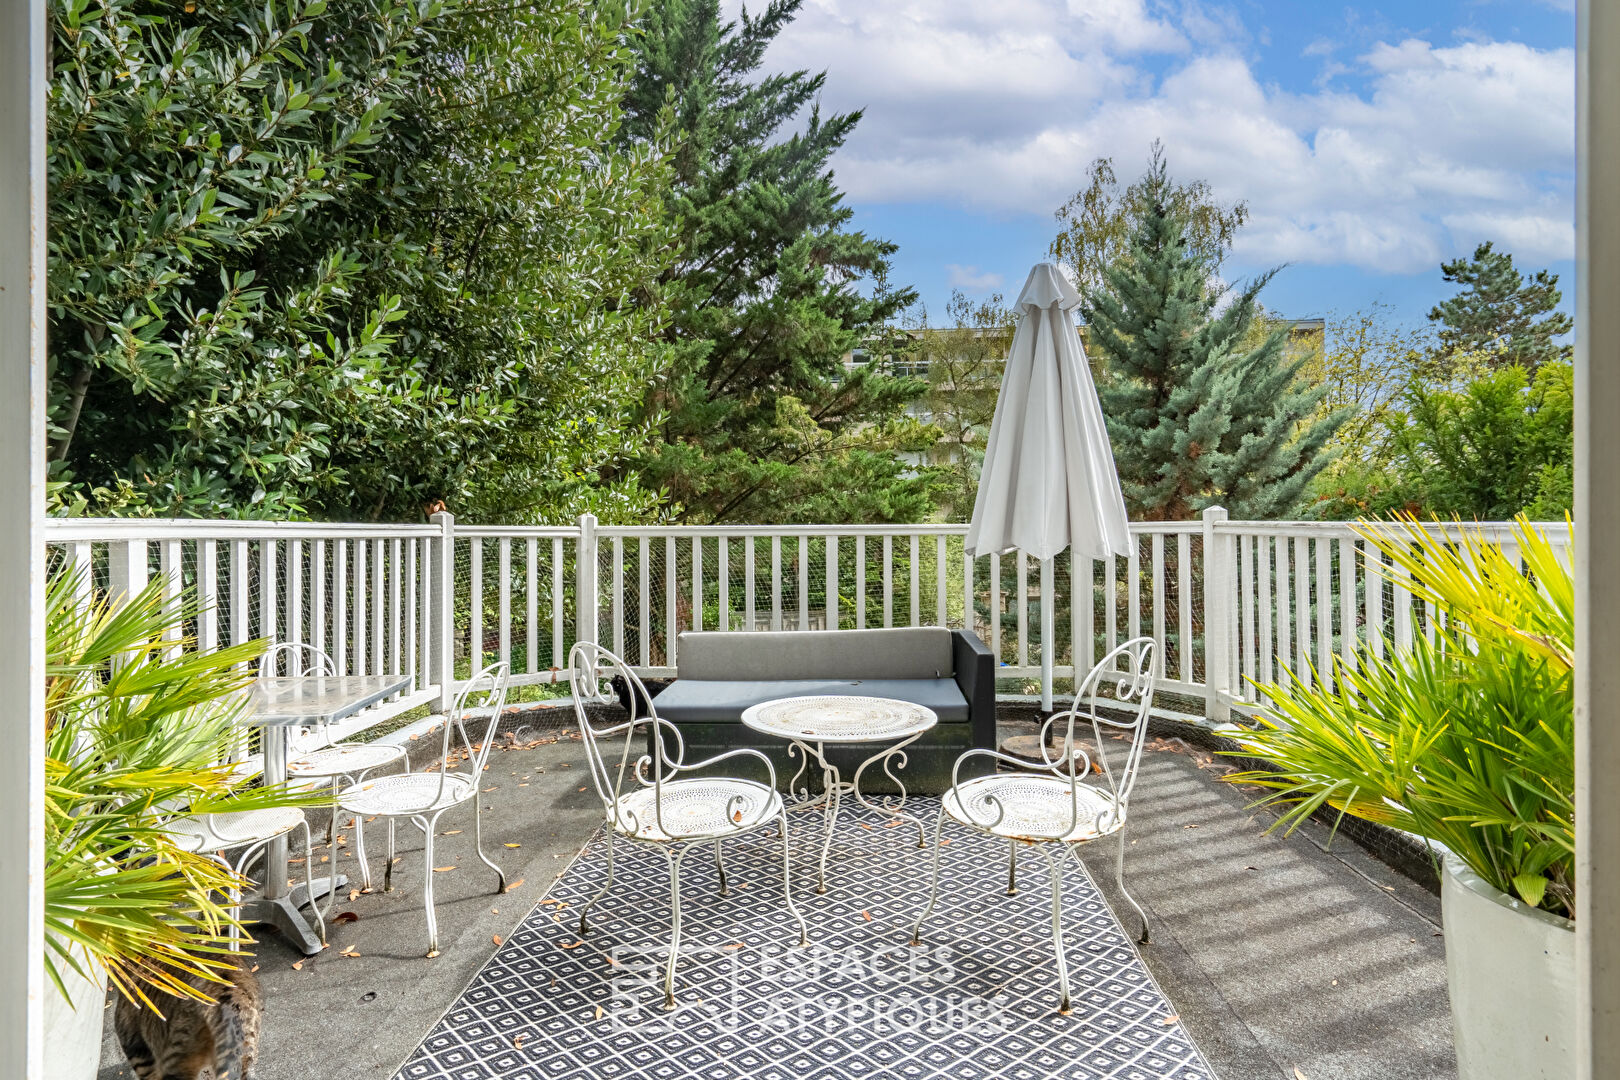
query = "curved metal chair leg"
{"x": 933, "y": 888}
{"x": 720, "y": 866}
{"x": 1119, "y": 877}
{"x": 586, "y": 910}
{"x": 388, "y": 867}
{"x": 309, "y": 882}
{"x": 674, "y": 861}
{"x": 427, "y": 891}
{"x": 1012, "y": 867}
{"x": 787, "y": 882}
{"x": 834, "y": 799}
{"x": 478, "y": 846}
{"x": 1055, "y": 866}
{"x": 331, "y": 821}
{"x": 360, "y": 853}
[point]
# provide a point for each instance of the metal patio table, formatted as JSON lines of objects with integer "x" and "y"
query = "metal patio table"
{"x": 811, "y": 723}
{"x": 278, "y": 705}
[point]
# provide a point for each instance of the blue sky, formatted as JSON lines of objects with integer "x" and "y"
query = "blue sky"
{"x": 1371, "y": 141}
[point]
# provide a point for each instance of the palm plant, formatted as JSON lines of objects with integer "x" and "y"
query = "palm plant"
{"x": 1466, "y": 739}
{"x": 139, "y": 728}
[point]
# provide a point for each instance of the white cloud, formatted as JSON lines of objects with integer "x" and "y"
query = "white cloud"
{"x": 972, "y": 279}
{"x": 1001, "y": 107}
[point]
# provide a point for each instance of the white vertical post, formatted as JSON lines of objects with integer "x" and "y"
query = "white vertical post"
{"x": 1597, "y": 567}
{"x": 531, "y": 602}
{"x": 776, "y": 583}
{"x": 207, "y": 595}
{"x": 585, "y": 581}
{"x": 1048, "y": 634}
{"x": 475, "y": 603}
{"x": 1218, "y": 583}
{"x": 832, "y": 582}
{"x": 126, "y": 569}
{"x": 860, "y": 582}
{"x": 644, "y": 599}
{"x": 23, "y": 988}
{"x": 748, "y": 581}
{"x": 444, "y": 608}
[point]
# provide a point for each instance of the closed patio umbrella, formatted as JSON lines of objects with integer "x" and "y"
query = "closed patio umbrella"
{"x": 1048, "y": 480}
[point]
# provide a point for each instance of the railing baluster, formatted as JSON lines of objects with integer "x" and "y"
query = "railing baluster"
{"x": 411, "y": 569}
{"x": 1133, "y": 587}
{"x": 1282, "y": 610}
{"x": 832, "y": 582}
{"x": 1085, "y": 618}
{"x": 1265, "y": 612}
{"x": 1158, "y": 598}
{"x": 1021, "y": 598}
{"x": 804, "y": 582}
{"x": 916, "y": 603}
{"x": 697, "y": 583}
{"x": 1302, "y": 608}
{"x": 888, "y": 579}
{"x": 1347, "y": 601}
{"x": 317, "y": 595}
{"x": 531, "y": 604}
{"x": 267, "y": 590}
{"x": 672, "y": 614}
{"x": 969, "y": 616}
{"x": 722, "y": 574}
{"x": 1403, "y": 607}
{"x": 643, "y": 602}
{"x": 361, "y": 580}
{"x": 559, "y": 603}
{"x": 172, "y": 563}
{"x": 295, "y": 591}
{"x": 860, "y": 582}
{"x": 239, "y": 591}
{"x": 505, "y": 614}
{"x": 1372, "y": 576}
{"x": 1324, "y": 613}
{"x": 941, "y": 615}
{"x": 475, "y": 603}
{"x": 379, "y": 586}
{"x": 1184, "y": 605}
{"x": 776, "y": 583}
{"x": 618, "y": 597}
{"x": 748, "y": 581}
{"x": 1249, "y": 598}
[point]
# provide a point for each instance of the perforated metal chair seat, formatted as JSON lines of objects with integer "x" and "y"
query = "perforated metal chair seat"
{"x": 701, "y": 806}
{"x": 1034, "y": 807}
{"x": 219, "y": 832}
{"x": 343, "y": 759}
{"x": 406, "y": 794}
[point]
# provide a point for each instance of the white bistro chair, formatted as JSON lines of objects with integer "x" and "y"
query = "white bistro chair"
{"x": 668, "y": 811}
{"x": 423, "y": 797}
{"x": 1074, "y": 799}
{"x": 341, "y": 764}
{"x": 246, "y": 833}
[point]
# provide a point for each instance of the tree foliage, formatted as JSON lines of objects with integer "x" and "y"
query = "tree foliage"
{"x": 963, "y": 362}
{"x": 345, "y": 261}
{"x": 1096, "y": 223}
{"x": 1199, "y": 413}
{"x": 757, "y": 416}
{"x": 1500, "y": 314}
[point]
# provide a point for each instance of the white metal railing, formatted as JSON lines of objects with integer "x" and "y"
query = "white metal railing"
{"x": 1229, "y": 603}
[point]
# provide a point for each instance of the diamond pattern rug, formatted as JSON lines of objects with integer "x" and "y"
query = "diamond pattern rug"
{"x": 978, "y": 1000}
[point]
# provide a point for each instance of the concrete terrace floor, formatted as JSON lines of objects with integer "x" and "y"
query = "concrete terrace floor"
{"x": 1285, "y": 957}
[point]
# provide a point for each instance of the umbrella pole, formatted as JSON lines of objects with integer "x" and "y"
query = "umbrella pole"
{"x": 1048, "y": 633}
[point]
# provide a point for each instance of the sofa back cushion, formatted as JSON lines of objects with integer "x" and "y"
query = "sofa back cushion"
{"x": 915, "y": 652}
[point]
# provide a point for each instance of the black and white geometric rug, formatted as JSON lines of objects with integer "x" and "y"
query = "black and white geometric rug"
{"x": 978, "y": 1001}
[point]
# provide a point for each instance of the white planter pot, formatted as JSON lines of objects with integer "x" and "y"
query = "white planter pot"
{"x": 1511, "y": 971}
{"x": 73, "y": 1028}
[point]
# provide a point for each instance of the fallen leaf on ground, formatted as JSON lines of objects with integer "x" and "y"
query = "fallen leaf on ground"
{"x": 517, "y": 1042}
{"x": 582, "y": 789}
{"x": 571, "y": 945}
{"x": 549, "y": 900}
{"x": 734, "y": 945}
{"x": 346, "y": 916}
{"x": 1299, "y": 1075}
{"x": 599, "y": 1012}
{"x": 514, "y": 884}
{"x": 255, "y": 967}
{"x": 354, "y": 894}
{"x": 349, "y": 951}
{"x": 450, "y": 832}
{"x": 1172, "y": 1018}
{"x": 496, "y": 938}
{"x": 443, "y": 869}
{"x": 511, "y": 845}
{"x": 298, "y": 965}
{"x": 867, "y": 915}
{"x": 432, "y": 953}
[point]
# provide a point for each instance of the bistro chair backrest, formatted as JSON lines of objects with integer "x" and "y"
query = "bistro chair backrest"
{"x": 290, "y": 659}
{"x": 1129, "y": 671}
{"x": 592, "y": 670}
{"x": 481, "y": 702}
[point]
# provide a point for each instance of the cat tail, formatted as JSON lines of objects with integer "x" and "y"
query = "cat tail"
{"x": 230, "y": 1043}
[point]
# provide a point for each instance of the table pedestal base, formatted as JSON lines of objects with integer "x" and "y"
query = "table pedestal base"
{"x": 281, "y": 912}
{"x": 834, "y": 788}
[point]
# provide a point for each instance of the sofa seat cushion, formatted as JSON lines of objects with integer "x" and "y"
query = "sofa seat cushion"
{"x": 902, "y": 652}
{"x": 716, "y": 701}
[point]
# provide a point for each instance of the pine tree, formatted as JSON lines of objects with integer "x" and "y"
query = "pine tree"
{"x": 1502, "y": 315}
{"x": 757, "y": 416}
{"x": 1201, "y": 409}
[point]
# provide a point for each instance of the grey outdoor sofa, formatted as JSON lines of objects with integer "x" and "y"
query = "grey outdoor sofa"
{"x": 719, "y": 674}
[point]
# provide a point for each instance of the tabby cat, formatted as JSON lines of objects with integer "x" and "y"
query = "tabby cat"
{"x": 192, "y": 1036}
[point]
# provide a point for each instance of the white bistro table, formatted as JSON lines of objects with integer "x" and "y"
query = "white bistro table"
{"x": 810, "y": 724}
{"x": 277, "y": 705}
